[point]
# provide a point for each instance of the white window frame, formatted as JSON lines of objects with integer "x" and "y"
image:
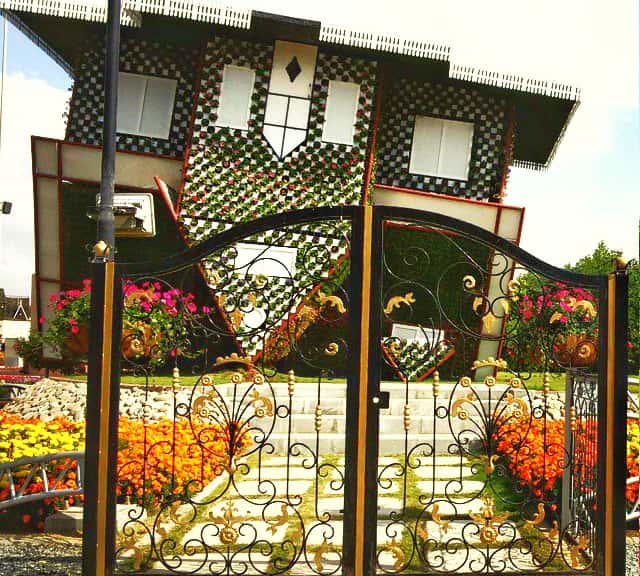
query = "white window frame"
{"x": 164, "y": 134}
{"x": 421, "y": 334}
{"x": 244, "y": 125}
{"x": 326, "y": 132}
{"x": 415, "y": 161}
{"x": 270, "y": 261}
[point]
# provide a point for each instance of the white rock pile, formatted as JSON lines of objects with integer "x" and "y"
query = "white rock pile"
{"x": 48, "y": 399}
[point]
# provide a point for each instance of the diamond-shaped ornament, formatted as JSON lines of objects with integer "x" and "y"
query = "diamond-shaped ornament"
{"x": 293, "y": 69}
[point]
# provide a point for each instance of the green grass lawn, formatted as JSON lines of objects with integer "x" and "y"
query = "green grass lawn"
{"x": 535, "y": 382}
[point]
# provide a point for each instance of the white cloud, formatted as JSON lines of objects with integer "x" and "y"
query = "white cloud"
{"x": 31, "y": 107}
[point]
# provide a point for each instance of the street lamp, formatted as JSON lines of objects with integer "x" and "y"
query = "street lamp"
{"x": 6, "y": 207}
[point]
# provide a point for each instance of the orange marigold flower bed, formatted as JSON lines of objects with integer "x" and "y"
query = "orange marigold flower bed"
{"x": 155, "y": 459}
{"x": 536, "y": 456}
{"x": 180, "y": 456}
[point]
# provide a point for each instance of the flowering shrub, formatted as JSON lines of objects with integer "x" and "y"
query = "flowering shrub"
{"x": 537, "y": 460}
{"x": 22, "y": 438}
{"x": 551, "y": 321}
{"x": 156, "y": 321}
{"x": 194, "y": 458}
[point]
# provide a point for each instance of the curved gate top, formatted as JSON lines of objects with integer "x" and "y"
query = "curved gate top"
{"x": 356, "y": 391}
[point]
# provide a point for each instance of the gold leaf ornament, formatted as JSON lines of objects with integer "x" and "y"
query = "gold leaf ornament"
{"x": 397, "y": 552}
{"x": 318, "y": 557}
{"x": 437, "y": 518}
{"x": 396, "y": 301}
{"x": 333, "y": 301}
{"x": 538, "y": 517}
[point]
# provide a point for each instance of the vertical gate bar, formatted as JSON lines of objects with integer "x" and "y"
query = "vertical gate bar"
{"x": 373, "y": 383}
{"x": 101, "y": 422}
{"x": 616, "y": 422}
{"x": 351, "y": 473}
{"x": 363, "y": 392}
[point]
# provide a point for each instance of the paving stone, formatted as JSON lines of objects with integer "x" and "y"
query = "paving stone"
{"x": 333, "y": 532}
{"x": 443, "y": 472}
{"x": 249, "y": 530}
{"x": 266, "y": 488}
{"x": 453, "y": 489}
{"x": 278, "y": 473}
{"x": 335, "y": 506}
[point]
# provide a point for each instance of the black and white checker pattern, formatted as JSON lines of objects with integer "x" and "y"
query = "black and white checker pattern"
{"x": 138, "y": 57}
{"x": 411, "y": 98}
{"x": 319, "y": 246}
{"x": 233, "y": 175}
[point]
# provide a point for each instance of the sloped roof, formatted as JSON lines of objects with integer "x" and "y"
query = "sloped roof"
{"x": 543, "y": 108}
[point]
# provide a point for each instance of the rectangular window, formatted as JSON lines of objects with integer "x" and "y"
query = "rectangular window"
{"x": 413, "y": 333}
{"x": 275, "y": 261}
{"x": 235, "y": 97}
{"x": 145, "y": 105}
{"x": 441, "y": 148}
{"x": 340, "y": 115}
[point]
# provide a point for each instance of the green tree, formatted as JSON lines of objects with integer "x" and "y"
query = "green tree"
{"x": 601, "y": 262}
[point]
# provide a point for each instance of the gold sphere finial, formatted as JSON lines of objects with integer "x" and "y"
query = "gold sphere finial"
{"x": 101, "y": 249}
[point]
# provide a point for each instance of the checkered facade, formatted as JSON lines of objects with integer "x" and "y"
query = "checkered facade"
{"x": 233, "y": 175}
{"x": 407, "y": 99}
{"x": 85, "y": 123}
{"x": 238, "y": 290}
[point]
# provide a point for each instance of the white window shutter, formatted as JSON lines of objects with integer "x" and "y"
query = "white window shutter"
{"x": 131, "y": 89}
{"x": 272, "y": 261}
{"x": 425, "y": 148}
{"x": 455, "y": 150}
{"x": 157, "y": 111}
{"x": 235, "y": 97}
{"x": 303, "y": 58}
{"x": 340, "y": 114}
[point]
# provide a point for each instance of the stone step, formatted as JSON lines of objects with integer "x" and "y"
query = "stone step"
{"x": 390, "y": 444}
{"x": 67, "y": 522}
{"x": 416, "y": 391}
{"x": 336, "y": 424}
{"x": 338, "y": 406}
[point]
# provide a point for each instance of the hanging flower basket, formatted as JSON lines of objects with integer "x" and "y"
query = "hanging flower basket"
{"x": 157, "y": 321}
{"x": 78, "y": 343}
{"x": 577, "y": 350}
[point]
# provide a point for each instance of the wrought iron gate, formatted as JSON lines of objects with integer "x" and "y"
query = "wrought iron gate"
{"x": 358, "y": 391}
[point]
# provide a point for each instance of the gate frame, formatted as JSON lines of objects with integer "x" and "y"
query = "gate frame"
{"x": 367, "y": 222}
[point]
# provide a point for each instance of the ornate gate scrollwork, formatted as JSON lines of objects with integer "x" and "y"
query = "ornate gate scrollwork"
{"x": 428, "y": 403}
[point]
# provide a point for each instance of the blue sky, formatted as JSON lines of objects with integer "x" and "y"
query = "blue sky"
{"x": 591, "y": 191}
{"x": 27, "y": 58}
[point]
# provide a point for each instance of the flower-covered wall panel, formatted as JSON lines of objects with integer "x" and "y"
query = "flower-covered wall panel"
{"x": 407, "y": 99}
{"x": 137, "y": 56}
{"x": 233, "y": 175}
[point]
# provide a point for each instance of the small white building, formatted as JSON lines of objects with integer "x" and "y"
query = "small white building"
{"x": 15, "y": 324}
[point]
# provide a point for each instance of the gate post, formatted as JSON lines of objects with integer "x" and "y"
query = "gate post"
{"x": 98, "y": 543}
{"x": 616, "y": 421}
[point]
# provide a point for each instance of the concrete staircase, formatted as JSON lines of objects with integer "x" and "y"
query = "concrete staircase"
{"x": 331, "y": 399}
